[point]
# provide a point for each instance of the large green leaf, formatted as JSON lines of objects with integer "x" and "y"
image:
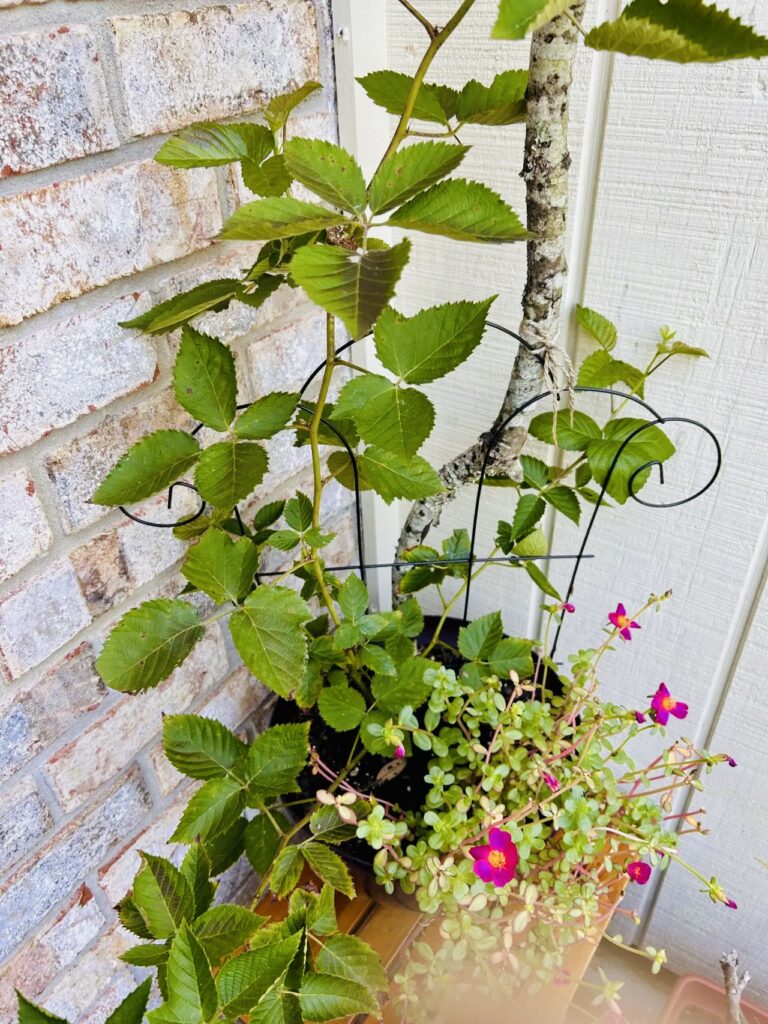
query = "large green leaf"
{"x": 228, "y": 471}
{"x": 212, "y": 809}
{"x": 341, "y": 707}
{"x": 571, "y": 431}
{"x": 191, "y": 989}
{"x": 501, "y": 102}
{"x": 131, "y": 1009}
{"x": 353, "y": 598}
{"x": 390, "y": 89}
{"x": 347, "y": 956}
{"x": 148, "y": 643}
{"x": 243, "y": 980}
{"x": 327, "y": 170}
{"x": 223, "y": 929}
{"x": 226, "y": 847}
{"x": 424, "y": 347}
{"x": 396, "y": 419}
{"x": 354, "y": 287}
{"x": 286, "y": 871}
{"x": 280, "y": 108}
{"x": 328, "y": 997}
{"x": 268, "y": 635}
{"x": 479, "y": 638}
{"x": 274, "y": 761}
{"x": 564, "y": 499}
{"x": 222, "y": 567}
{"x": 199, "y": 747}
{"x": 31, "y": 1013}
{"x": 650, "y": 444}
{"x": 196, "y": 868}
{"x": 393, "y": 476}
{"x": 329, "y": 867}
{"x": 262, "y": 839}
{"x": 278, "y": 217}
{"x": 209, "y": 144}
{"x": 464, "y": 210}
{"x": 407, "y": 687}
{"x": 678, "y": 30}
{"x": 211, "y": 295}
{"x": 512, "y": 654}
{"x": 411, "y": 170}
{"x": 270, "y": 178}
{"x": 163, "y": 896}
{"x": 519, "y": 17}
{"x": 204, "y": 379}
{"x": 598, "y": 327}
{"x": 131, "y": 919}
{"x": 154, "y": 462}
{"x": 600, "y": 370}
{"x": 266, "y": 416}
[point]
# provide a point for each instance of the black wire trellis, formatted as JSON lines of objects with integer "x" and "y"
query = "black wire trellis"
{"x": 493, "y": 439}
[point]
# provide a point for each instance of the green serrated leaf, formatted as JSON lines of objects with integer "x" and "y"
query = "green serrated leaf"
{"x": 541, "y": 581}
{"x": 165, "y": 316}
{"x": 286, "y": 871}
{"x": 199, "y": 747}
{"x": 229, "y": 470}
{"x": 279, "y": 217}
{"x": 529, "y": 510}
{"x": 396, "y": 419}
{"x": 571, "y": 431}
{"x": 679, "y": 31}
{"x": 268, "y": 635}
{"x": 196, "y": 868}
{"x": 131, "y": 919}
{"x": 406, "y": 688}
{"x": 150, "y": 955}
{"x": 512, "y": 654}
{"x": 327, "y": 170}
{"x": 268, "y": 514}
{"x": 393, "y": 476}
{"x": 262, "y": 839}
{"x": 223, "y": 929}
{"x": 31, "y": 1013}
{"x": 353, "y": 598}
{"x": 131, "y": 1009}
{"x": 391, "y": 89}
{"x": 535, "y": 471}
{"x": 502, "y": 102}
{"x": 427, "y": 346}
{"x": 212, "y": 809}
{"x": 411, "y": 170}
{"x": 353, "y": 286}
{"x": 341, "y": 707}
{"x": 270, "y": 178}
{"x": 464, "y": 210}
{"x": 226, "y": 847}
{"x": 222, "y": 567}
{"x": 210, "y": 144}
{"x": 266, "y": 416}
{"x": 347, "y": 956}
{"x": 600, "y": 370}
{"x": 327, "y": 826}
{"x": 153, "y": 463}
{"x": 162, "y": 896}
{"x": 148, "y": 643}
{"x": 204, "y": 379}
{"x": 243, "y": 980}
{"x": 519, "y": 17}
{"x": 329, "y": 867}
{"x": 191, "y": 990}
{"x": 274, "y": 760}
{"x": 564, "y": 499}
{"x": 280, "y": 108}
{"x": 327, "y": 997}
{"x": 598, "y": 327}
{"x": 478, "y": 639}
{"x": 648, "y": 445}
{"x": 532, "y": 545}
{"x": 299, "y": 512}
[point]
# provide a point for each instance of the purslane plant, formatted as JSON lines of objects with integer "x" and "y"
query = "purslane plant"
{"x": 523, "y": 826}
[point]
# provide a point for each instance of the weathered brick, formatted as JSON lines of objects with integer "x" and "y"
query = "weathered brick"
{"x": 102, "y": 572}
{"x": 215, "y": 62}
{"x": 56, "y": 946}
{"x": 24, "y": 531}
{"x": 77, "y": 468}
{"x": 40, "y": 617}
{"x": 54, "y": 99}
{"x": 37, "y": 888}
{"x": 282, "y": 360}
{"x": 74, "y": 991}
{"x": 36, "y": 714}
{"x": 69, "y": 238}
{"x": 111, "y": 995}
{"x": 57, "y": 375}
{"x": 24, "y": 820}
{"x": 149, "y": 551}
{"x": 108, "y": 746}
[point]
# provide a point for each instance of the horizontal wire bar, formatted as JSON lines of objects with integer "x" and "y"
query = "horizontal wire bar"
{"x": 443, "y": 561}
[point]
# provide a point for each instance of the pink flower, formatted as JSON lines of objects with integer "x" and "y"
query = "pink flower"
{"x": 622, "y": 622}
{"x": 568, "y": 607}
{"x": 496, "y": 862}
{"x": 732, "y": 904}
{"x": 728, "y": 760}
{"x": 550, "y": 781}
{"x": 399, "y": 750}
{"x": 663, "y": 705}
{"x": 639, "y": 872}
{"x": 639, "y": 717}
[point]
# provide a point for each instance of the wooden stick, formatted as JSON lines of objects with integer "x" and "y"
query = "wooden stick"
{"x": 735, "y": 984}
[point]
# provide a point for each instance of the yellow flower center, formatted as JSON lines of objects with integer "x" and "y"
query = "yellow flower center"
{"x": 497, "y": 859}
{"x": 668, "y": 703}
{"x": 622, "y": 621}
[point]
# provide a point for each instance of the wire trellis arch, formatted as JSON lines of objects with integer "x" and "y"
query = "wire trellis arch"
{"x": 493, "y": 439}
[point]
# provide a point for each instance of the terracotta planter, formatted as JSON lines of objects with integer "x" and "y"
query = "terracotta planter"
{"x": 695, "y": 1000}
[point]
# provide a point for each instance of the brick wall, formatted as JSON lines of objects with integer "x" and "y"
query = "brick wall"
{"x": 92, "y": 232}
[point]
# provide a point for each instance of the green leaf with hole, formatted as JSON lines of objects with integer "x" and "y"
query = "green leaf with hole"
{"x": 213, "y": 809}
{"x": 391, "y": 89}
{"x": 153, "y": 463}
{"x": 268, "y": 634}
{"x": 598, "y": 327}
{"x": 519, "y": 17}
{"x": 204, "y": 379}
{"x": 165, "y": 316}
{"x": 266, "y": 416}
{"x": 347, "y": 956}
{"x": 278, "y": 217}
{"x": 328, "y": 997}
{"x": 396, "y": 419}
{"x": 327, "y": 170}
{"x": 210, "y": 144}
{"x": 329, "y": 867}
{"x": 678, "y": 30}
{"x": 564, "y": 499}
{"x": 199, "y": 747}
{"x": 221, "y": 567}
{"x": 648, "y": 444}
{"x": 341, "y": 707}
{"x": 275, "y": 760}
{"x": 223, "y": 929}
{"x": 502, "y": 102}
{"x": 427, "y": 346}
{"x": 148, "y": 643}
{"x": 571, "y": 431}
{"x": 464, "y": 210}
{"x": 163, "y": 896}
{"x": 353, "y": 286}
{"x": 393, "y": 476}
{"x": 262, "y": 839}
{"x": 411, "y": 170}
{"x": 229, "y": 471}
{"x": 280, "y": 108}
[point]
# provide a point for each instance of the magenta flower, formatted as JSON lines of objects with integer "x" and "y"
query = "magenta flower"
{"x": 639, "y": 872}
{"x": 663, "y": 705}
{"x": 568, "y": 607}
{"x": 732, "y": 904}
{"x": 399, "y": 750}
{"x": 728, "y": 760}
{"x": 550, "y": 781}
{"x": 496, "y": 862}
{"x": 622, "y": 622}
{"x": 639, "y": 717}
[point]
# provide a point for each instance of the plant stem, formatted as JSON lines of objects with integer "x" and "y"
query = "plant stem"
{"x": 429, "y": 28}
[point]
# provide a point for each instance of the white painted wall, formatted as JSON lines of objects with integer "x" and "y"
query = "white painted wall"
{"x": 669, "y": 224}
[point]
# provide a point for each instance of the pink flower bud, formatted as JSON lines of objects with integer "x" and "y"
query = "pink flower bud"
{"x": 399, "y": 750}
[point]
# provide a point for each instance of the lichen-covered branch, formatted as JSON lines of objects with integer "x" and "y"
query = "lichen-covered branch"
{"x": 735, "y": 984}
{"x": 545, "y": 171}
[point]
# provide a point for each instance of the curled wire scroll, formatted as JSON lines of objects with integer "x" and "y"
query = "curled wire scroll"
{"x": 361, "y": 566}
